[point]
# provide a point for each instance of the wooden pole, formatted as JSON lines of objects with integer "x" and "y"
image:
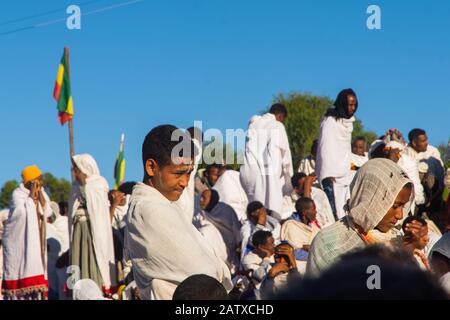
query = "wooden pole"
{"x": 72, "y": 149}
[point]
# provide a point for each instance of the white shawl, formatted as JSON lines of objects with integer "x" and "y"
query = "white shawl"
{"x": 24, "y": 267}
{"x": 164, "y": 245}
{"x": 334, "y": 150}
{"x": 98, "y": 210}
{"x": 231, "y": 192}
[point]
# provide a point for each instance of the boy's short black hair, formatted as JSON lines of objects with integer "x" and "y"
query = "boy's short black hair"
{"x": 297, "y": 176}
{"x": 253, "y": 206}
{"x": 410, "y": 219}
{"x": 127, "y": 187}
{"x": 200, "y": 287}
{"x": 302, "y": 204}
{"x": 414, "y": 134}
{"x": 260, "y": 237}
{"x": 158, "y": 145}
{"x": 278, "y": 108}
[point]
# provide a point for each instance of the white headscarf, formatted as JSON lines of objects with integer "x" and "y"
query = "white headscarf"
{"x": 97, "y": 203}
{"x": 374, "y": 190}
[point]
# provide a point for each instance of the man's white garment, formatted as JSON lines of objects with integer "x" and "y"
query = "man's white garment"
{"x": 334, "y": 158}
{"x": 267, "y": 168}
{"x": 165, "y": 247}
{"x": 432, "y": 157}
{"x": 324, "y": 213}
{"x": 231, "y": 192}
{"x": 3, "y": 217}
{"x": 97, "y": 203}
{"x": 21, "y": 237}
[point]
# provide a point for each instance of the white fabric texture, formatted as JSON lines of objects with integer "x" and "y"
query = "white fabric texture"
{"x": 231, "y": 192}
{"x": 334, "y": 149}
{"x": 307, "y": 166}
{"x": 21, "y": 237}
{"x": 267, "y": 169}
{"x": 97, "y": 202}
{"x": 164, "y": 246}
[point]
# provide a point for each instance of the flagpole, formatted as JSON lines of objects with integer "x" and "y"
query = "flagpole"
{"x": 72, "y": 149}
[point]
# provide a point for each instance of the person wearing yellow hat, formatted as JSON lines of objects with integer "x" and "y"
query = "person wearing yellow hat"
{"x": 24, "y": 241}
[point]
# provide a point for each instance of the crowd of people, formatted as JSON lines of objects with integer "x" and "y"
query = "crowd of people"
{"x": 265, "y": 231}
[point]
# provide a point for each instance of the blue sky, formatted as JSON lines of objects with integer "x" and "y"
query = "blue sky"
{"x": 176, "y": 61}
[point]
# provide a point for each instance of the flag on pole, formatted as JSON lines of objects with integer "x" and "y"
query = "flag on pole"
{"x": 62, "y": 93}
{"x": 119, "y": 168}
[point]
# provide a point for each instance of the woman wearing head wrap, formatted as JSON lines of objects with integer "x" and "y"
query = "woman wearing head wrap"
{"x": 92, "y": 248}
{"x": 381, "y": 194}
{"x": 333, "y": 163}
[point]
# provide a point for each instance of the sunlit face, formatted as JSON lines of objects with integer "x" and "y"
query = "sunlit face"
{"x": 359, "y": 147}
{"x": 171, "y": 179}
{"x": 395, "y": 213}
{"x": 205, "y": 199}
{"x": 351, "y": 105}
{"x": 421, "y": 144}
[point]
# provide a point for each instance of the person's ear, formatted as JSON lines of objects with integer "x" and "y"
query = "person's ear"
{"x": 151, "y": 167}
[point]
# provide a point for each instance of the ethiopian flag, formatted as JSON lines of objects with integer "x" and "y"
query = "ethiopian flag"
{"x": 119, "y": 168}
{"x": 62, "y": 93}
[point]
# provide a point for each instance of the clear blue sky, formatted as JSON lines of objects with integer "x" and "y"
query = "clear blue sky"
{"x": 176, "y": 61}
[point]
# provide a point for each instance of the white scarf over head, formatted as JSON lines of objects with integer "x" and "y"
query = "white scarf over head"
{"x": 98, "y": 210}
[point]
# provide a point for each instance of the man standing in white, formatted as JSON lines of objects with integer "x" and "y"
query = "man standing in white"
{"x": 267, "y": 169}
{"x": 333, "y": 162}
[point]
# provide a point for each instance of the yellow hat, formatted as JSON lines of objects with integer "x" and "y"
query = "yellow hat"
{"x": 30, "y": 173}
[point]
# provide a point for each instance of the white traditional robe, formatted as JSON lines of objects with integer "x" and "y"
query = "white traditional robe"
{"x": 165, "y": 247}
{"x": 267, "y": 168}
{"x": 24, "y": 263}
{"x": 307, "y": 166}
{"x": 97, "y": 203}
{"x": 334, "y": 157}
{"x": 231, "y": 192}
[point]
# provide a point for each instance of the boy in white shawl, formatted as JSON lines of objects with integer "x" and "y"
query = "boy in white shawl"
{"x": 163, "y": 244}
{"x": 24, "y": 240}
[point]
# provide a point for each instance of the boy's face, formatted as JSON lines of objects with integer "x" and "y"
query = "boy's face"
{"x": 311, "y": 212}
{"x": 170, "y": 180}
{"x": 268, "y": 247}
{"x": 359, "y": 147}
{"x": 301, "y": 183}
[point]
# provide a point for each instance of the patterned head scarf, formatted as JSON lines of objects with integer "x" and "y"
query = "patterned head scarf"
{"x": 374, "y": 190}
